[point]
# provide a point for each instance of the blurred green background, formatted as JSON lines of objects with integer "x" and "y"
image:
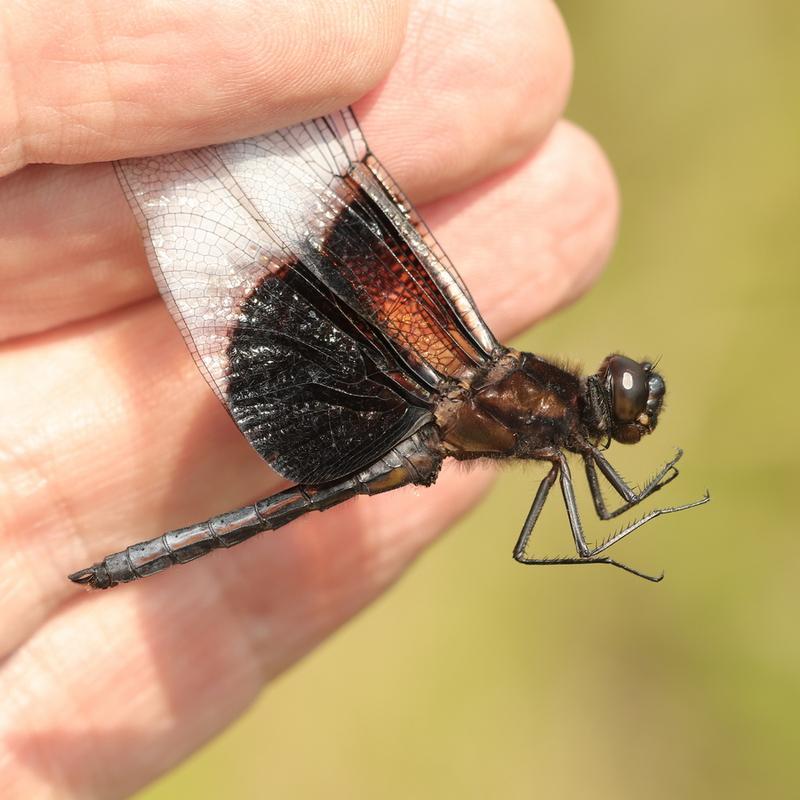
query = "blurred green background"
{"x": 475, "y": 678}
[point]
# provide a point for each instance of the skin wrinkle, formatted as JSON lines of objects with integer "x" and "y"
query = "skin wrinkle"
{"x": 33, "y": 662}
{"x": 104, "y": 64}
{"x": 225, "y": 591}
{"x": 73, "y": 326}
{"x": 38, "y": 228}
{"x": 38, "y": 450}
{"x": 10, "y": 102}
{"x": 26, "y": 461}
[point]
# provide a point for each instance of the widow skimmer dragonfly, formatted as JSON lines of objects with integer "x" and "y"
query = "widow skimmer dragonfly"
{"x": 344, "y": 345}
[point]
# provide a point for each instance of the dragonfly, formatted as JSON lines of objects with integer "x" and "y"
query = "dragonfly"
{"x": 348, "y": 351}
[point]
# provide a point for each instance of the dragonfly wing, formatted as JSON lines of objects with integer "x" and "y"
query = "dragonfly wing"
{"x": 313, "y": 299}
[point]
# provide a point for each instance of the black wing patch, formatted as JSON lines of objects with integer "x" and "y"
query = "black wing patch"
{"x": 307, "y": 395}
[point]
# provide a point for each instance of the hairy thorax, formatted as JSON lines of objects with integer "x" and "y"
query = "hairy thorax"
{"x": 531, "y": 406}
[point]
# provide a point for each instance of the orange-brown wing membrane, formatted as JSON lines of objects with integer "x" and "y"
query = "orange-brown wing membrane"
{"x": 388, "y": 282}
{"x": 434, "y": 257}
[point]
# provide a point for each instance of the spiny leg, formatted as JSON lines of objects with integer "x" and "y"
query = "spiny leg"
{"x": 533, "y": 515}
{"x": 605, "y": 560}
{"x": 560, "y": 467}
{"x": 652, "y": 486}
{"x": 665, "y": 475}
{"x": 627, "y": 530}
{"x": 656, "y": 482}
{"x": 584, "y": 551}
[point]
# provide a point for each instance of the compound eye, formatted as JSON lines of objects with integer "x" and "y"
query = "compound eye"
{"x": 628, "y": 383}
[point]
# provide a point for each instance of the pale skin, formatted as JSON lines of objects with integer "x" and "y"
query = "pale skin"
{"x": 109, "y": 433}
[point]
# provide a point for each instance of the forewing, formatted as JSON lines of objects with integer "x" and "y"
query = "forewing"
{"x": 327, "y": 197}
{"x": 315, "y": 302}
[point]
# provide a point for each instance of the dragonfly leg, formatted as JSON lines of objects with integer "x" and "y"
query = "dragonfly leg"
{"x": 657, "y": 512}
{"x": 665, "y": 475}
{"x": 533, "y": 515}
{"x": 560, "y": 469}
{"x": 586, "y": 555}
{"x": 414, "y": 460}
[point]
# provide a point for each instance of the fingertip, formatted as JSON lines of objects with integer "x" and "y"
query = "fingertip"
{"x": 548, "y": 225}
{"x": 106, "y": 80}
{"x": 590, "y": 220}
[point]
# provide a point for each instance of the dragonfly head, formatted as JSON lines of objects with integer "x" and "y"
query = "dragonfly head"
{"x": 625, "y": 397}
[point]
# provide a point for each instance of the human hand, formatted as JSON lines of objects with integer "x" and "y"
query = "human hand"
{"x": 110, "y": 434}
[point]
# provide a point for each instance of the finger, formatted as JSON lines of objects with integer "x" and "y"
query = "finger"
{"x": 476, "y": 88}
{"x": 547, "y": 225}
{"x": 463, "y": 101}
{"x": 138, "y": 438}
{"x": 72, "y": 249}
{"x": 106, "y": 79}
